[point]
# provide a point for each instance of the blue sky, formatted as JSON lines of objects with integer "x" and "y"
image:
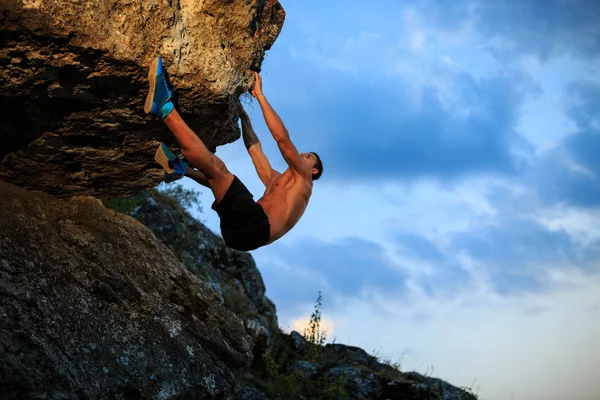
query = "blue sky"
{"x": 457, "y": 222}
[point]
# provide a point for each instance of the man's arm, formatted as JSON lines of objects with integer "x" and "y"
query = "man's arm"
{"x": 261, "y": 162}
{"x": 279, "y": 131}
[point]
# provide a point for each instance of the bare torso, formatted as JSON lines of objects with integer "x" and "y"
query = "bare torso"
{"x": 284, "y": 201}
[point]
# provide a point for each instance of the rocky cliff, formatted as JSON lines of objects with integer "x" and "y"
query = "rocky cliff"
{"x": 232, "y": 275}
{"x": 93, "y": 305}
{"x": 97, "y": 304}
{"x": 73, "y": 79}
{"x": 284, "y": 366}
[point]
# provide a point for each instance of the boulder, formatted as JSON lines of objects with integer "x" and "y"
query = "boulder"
{"x": 73, "y": 80}
{"x": 93, "y": 305}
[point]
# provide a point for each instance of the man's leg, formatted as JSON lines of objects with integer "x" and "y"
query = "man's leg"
{"x": 218, "y": 178}
{"x": 158, "y": 103}
{"x": 197, "y": 176}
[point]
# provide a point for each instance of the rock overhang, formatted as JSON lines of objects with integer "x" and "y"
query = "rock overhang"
{"x": 74, "y": 80}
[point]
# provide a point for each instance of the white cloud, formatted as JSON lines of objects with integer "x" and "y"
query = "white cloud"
{"x": 537, "y": 347}
{"x": 584, "y": 226}
{"x": 520, "y": 347}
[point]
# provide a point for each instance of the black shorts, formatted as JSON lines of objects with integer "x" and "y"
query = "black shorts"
{"x": 244, "y": 224}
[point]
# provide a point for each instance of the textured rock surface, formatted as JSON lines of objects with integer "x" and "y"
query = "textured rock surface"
{"x": 309, "y": 374}
{"x": 305, "y": 373}
{"x": 94, "y": 306}
{"x": 73, "y": 81}
{"x": 233, "y": 275}
{"x": 367, "y": 378}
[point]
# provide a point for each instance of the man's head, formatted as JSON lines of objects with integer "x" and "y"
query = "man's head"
{"x": 314, "y": 162}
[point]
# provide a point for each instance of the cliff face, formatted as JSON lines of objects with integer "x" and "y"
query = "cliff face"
{"x": 283, "y": 366}
{"x": 97, "y": 304}
{"x": 73, "y": 80}
{"x": 232, "y": 275}
{"x": 93, "y": 305}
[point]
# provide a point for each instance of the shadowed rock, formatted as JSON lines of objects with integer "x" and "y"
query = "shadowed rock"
{"x": 233, "y": 275}
{"x": 74, "y": 78}
{"x": 93, "y": 305}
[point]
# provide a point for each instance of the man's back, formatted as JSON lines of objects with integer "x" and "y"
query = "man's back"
{"x": 284, "y": 201}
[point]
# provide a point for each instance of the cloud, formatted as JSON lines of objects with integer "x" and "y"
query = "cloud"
{"x": 377, "y": 109}
{"x": 537, "y": 355}
{"x": 544, "y": 28}
{"x": 519, "y": 254}
{"x": 419, "y": 246}
{"x": 435, "y": 271}
{"x": 378, "y": 143}
{"x": 425, "y": 102}
{"x": 346, "y": 268}
{"x": 380, "y": 112}
{"x": 374, "y": 131}
{"x": 570, "y": 173}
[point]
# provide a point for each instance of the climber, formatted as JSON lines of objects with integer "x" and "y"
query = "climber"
{"x": 245, "y": 224}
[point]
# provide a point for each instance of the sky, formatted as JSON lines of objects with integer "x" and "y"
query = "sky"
{"x": 456, "y": 227}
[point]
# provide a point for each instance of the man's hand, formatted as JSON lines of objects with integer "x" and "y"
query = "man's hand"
{"x": 257, "y": 89}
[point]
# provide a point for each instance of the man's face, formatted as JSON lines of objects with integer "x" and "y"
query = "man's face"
{"x": 309, "y": 158}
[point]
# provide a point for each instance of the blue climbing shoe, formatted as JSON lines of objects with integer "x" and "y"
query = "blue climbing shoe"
{"x": 158, "y": 101}
{"x": 173, "y": 166}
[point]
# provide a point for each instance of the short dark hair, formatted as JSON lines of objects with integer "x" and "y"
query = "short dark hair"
{"x": 319, "y": 166}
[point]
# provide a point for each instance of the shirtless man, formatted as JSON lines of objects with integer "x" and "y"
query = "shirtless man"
{"x": 245, "y": 224}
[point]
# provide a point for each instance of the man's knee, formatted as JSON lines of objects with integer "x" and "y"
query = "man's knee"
{"x": 219, "y": 169}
